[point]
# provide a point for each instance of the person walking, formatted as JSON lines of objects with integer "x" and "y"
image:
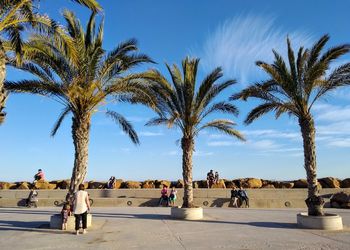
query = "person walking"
{"x": 81, "y": 208}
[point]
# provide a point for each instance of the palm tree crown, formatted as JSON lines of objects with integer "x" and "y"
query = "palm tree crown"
{"x": 86, "y": 80}
{"x": 296, "y": 88}
{"x": 293, "y": 89}
{"x": 180, "y": 104}
{"x": 17, "y": 16}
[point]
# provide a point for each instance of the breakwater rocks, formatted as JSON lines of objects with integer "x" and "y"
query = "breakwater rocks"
{"x": 328, "y": 182}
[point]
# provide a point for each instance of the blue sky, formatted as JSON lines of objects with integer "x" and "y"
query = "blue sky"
{"x": 231, "y": 34}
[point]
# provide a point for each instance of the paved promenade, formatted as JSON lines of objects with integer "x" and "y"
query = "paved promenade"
{"x": 151, "y": 228}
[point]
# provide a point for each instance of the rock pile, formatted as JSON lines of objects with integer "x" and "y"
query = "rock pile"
{"x": 340, "y": 200}
{"x": 328, "y": 182}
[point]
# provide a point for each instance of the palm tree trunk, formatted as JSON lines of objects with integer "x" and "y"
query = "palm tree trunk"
{"x": 187, "y": 145}
{"x": 3, "y": 95}
{"x": 314, "y": 202}
{"x": 80, "y": 133}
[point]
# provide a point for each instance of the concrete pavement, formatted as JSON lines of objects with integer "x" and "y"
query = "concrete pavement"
{"x": 151, "y": 228}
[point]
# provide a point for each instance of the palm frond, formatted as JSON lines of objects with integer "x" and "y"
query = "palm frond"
{"x": 58, "y": 123}
{"x": 125, "y": 125}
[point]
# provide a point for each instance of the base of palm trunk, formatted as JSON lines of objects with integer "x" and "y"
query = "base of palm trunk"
{"x": 326, "y": 222}
{"x": 187, "y": 213}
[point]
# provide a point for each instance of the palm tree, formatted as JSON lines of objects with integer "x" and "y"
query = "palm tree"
{"x": 181, "y": 105}
{"x": 16, "y": 16}
{"x": 84, "y": 84}
{"x": 293, "y": 90}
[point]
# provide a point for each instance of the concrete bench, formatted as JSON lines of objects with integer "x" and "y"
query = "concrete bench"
{"x": 56, "y": 222}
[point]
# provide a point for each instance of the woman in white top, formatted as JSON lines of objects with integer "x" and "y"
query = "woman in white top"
{"x": 81, "y": 207}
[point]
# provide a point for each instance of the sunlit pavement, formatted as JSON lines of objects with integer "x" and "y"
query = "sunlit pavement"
{"x": 152, "y": 228}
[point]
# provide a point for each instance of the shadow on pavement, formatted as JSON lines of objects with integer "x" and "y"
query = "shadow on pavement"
{"x": 265, "y": 224}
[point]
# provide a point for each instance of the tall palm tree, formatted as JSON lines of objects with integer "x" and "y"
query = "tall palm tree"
{"x": 84, "y": 84}
{"x": 293, "y": 89}
{"x": 15, "y": 17}
{"x": 181, "y": 105}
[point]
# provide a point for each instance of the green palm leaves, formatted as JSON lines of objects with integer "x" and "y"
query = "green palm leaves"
{"x": 182, "y": 105}
{"x": 78, "y": 73}
{"x": 293, "y": 88}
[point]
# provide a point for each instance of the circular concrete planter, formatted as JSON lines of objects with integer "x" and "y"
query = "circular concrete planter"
{"x": 187, "y": 213}
{"x": 56, "y": 221}
{"x": 326, "y": 222}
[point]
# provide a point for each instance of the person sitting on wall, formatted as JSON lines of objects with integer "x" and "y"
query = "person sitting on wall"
{"x": 111, "y": 183}
{"x": 40, "y": 176}
{"x": 216, "y": 178}
{"x": 164, "y": 196}
{"x": 32, "y": 200}
{"x": 244, "y": 196}
{"x": 234, "y": 196}
{"x": 210, "y": 179}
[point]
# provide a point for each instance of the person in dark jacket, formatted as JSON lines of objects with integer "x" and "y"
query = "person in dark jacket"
{"x": 244, "y": 196}
{"x": 234, "y": 196}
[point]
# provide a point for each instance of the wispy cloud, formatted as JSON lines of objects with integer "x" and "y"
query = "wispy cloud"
{"x": 150, "y": 134}
{"x": 238, "y": 43}
{"x": 263, "y": 133}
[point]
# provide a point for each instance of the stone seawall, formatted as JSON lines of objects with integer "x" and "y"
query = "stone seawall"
{"x": 259, "y": 198}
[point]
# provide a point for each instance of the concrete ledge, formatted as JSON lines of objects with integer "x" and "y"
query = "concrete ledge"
{"x": 326, "y": 222}
{"x": 187, "y": 213}
{"x": 56, "y": 222}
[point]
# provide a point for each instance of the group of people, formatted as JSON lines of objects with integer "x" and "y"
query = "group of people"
{"x": 79, "y": 205}
{"x": 239, "y": 195}
{"x": 212, "y": 178}
{"x": 168, "y": 199}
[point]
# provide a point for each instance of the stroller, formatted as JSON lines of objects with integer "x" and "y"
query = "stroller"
{"x": 32, "y": 200}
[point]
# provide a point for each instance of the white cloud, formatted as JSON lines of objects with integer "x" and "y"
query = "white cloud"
{"x": 238, "y": 43}
{"x": 202, "y": 153}
{"x": 221, "y": 143}
{"x": 149, "y": 134}
{"x": 172, "y": 153}
{"x": 341, "y": 143}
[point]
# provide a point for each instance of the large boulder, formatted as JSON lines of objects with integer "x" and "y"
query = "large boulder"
{"x": 118, "y": 183}
{"x": 340, "y": 200}
{"x": 253, "y": 183}
{"x": 284, "y": 184}
{"x": 238, "y": 182}
{"x": 329, "y": 182}
{"x": 96, "y": 185}
{"x": 180, "y": 184}
{"x": 63, "y": 184}
{"x": 132, "y": 184}
{"x": 42, "y": 184}
{"x": 229, "y": 184}
{"x": 162, "y": 183}
{"x": 219, "y": 184}
{"x": 345, "y": 183}
{"x": 301, "y": 183}
{"x": 268, "y": 186}
{"x": 23, "y": 185}
{"x": 148, "y": 184}
{"x": 7, "y": 185}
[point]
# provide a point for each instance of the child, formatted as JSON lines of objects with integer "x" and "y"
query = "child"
{"x": 234, "y": 197}
{"x": 164, "y": 195}
{"x": 65, "y": 214}
{"x": 172, "y": 197}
